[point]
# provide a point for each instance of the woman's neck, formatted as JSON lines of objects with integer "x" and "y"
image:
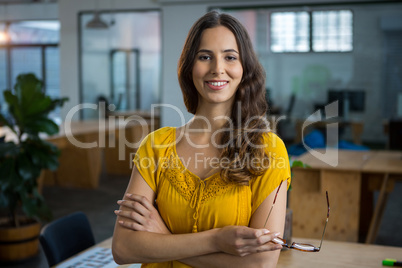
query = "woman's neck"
{"x": 210, "y": 118}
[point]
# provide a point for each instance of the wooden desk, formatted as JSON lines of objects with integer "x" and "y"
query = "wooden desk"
{"x": 350, "y": 185}
{"x": 332, "y": 254}
{"x": 381, "y": 170}
{"x": 338, "y": 254}
{"x": 83, "y": 146}
{"x": 78, "y": 167}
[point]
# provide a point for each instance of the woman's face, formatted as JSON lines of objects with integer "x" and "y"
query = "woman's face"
{"x": 217, "y": 69}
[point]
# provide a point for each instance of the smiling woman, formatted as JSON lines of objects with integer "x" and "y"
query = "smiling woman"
{"x": 203, "y": 196}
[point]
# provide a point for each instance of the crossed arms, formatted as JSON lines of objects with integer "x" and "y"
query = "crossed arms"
{"x": 141, "y": 236}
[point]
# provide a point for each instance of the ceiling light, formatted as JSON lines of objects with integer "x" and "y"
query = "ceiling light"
{"x": 4, "y": 37}
{"x": 97, "y": 22}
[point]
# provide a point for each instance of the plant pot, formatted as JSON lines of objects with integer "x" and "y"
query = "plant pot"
{"x": 19, "y": 243}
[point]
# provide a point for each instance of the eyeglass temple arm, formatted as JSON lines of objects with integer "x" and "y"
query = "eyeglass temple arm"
{"x": 325, "y": 226}
{"x": 273, "y": 203}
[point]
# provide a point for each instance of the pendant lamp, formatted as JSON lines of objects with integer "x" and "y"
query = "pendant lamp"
{"x": 96, "y": 22}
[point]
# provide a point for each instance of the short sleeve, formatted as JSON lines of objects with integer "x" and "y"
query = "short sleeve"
{"x": 145, "y": 161}
{"x": 278, "y": 171}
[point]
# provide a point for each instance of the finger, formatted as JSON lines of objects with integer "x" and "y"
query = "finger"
{"x": 251, "y": 233}
{"x": 246, "y": 250}
{"x": 141, "y": 199}
{"x": 132, "y": 225}
{"x": 134, "y": 216}
{"x": 261, "y": 240}
{"x": 134, "y": 205}
{"x": 265, "y": 247}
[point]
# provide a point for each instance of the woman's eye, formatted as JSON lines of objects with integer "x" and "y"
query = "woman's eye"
{"x": 231, "y": 58}
{"x": 204, "y": 57}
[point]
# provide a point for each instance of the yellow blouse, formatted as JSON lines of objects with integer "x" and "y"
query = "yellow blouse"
{"x": 187, "y": 203}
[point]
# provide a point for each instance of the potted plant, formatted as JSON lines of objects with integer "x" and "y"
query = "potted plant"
{"x": 21, "y": 161}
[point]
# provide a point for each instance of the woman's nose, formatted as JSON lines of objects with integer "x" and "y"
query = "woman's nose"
{"x": 217, "y": 67}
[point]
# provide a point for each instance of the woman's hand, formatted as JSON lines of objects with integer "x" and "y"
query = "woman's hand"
{"x": 142, "y": 214}
{"x": 242, "y": 240}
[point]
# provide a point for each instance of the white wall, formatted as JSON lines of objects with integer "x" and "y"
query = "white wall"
{"x": 43, "y": 11}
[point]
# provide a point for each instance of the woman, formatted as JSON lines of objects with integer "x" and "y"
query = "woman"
{"x": 214, "y": 179}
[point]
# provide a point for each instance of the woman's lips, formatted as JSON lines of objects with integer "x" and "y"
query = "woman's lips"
{"x": 217, "y": 85}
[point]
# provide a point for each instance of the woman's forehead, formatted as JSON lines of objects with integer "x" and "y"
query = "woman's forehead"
{"x": 218, "y": 38}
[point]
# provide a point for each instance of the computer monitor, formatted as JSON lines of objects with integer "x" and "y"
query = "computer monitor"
{"x": 336, "y": 95}
{"x": 357, "y": 99}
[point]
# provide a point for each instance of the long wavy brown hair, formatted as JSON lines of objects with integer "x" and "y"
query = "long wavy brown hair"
{"x": 245, "y": 140}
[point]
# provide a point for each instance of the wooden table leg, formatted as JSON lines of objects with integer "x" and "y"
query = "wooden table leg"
{"x": 378, "y": 211}
{"x": 357, "y": 130}
{"x": 366, "y": 205}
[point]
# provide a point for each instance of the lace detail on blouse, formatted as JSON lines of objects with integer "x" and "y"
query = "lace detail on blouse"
{"x": 186, "y": 183}
{"x": 194, "y": 190}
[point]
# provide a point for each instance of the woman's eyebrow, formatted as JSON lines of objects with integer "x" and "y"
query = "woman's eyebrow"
{"x": 211, "y": 52}
{"x": 231, "y": 50}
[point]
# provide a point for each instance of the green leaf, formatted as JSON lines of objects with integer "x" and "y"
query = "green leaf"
{"x": 298, "y": 163}
{"x": 10, "y": 98}
{"x": 13, "y": 105}
{"x": 57, "y": 103}
{"x": 41, "y": 124}
{"x": 8, "y": 175}
{"x": 26, "y": 169}
{"x": 8, "y": 149}
{"x": 34, "y": 205}
{"x": 43, "y": 155}
{"x": 37, "y": 105}
{"x": 4, "y": 201}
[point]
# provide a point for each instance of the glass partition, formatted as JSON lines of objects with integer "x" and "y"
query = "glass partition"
{"x": 120, "y": 63}
{"x": 310, "y": 50}
{"x": 30, "y": 47}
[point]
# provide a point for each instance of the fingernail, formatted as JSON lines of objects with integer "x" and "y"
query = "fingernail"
{"x": 119, "y": 201}
{"x": 121, "y": 222}
{"x": 277, "y": 234}
{"x": 117, "y": 211}
{"x": 128, "y": 195}
{"x": 266, "y": 231}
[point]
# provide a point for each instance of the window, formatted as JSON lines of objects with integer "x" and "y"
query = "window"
{"x": 290, "y": 31}
{"x": 30, "y": 47}
{"x": 332, "y": 30}
{"x": 318, "y": 31}
{"x": 122, "y": 62}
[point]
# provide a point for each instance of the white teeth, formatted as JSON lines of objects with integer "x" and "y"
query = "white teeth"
{"x": 217, "y": 84}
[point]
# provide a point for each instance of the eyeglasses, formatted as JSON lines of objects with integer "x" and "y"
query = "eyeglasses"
{"x": 294, "y": 245}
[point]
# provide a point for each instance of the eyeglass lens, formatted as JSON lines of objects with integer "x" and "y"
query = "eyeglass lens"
{"x": 298, "y": 246}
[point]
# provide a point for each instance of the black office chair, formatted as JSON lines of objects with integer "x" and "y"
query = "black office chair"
{"x": 290, "y": 107}
{"x": 285, "y": 128}
{"x": 66, "y": 236}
